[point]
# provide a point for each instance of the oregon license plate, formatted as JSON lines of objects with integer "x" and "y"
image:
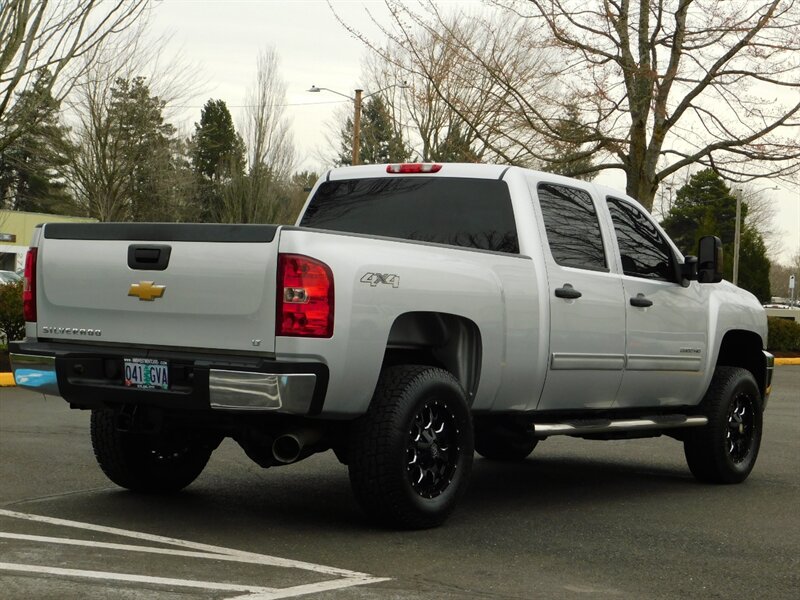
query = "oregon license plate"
{"x": 146, "y": 373}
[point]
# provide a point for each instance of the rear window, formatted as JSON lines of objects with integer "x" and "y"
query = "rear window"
{"x": 475, "y": 213}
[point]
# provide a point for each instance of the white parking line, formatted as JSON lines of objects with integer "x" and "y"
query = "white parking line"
{"x": 126, "y": 577}
{"x": 201, "y": 551}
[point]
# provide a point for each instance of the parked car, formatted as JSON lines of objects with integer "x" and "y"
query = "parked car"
{"x": 9, "y": 277}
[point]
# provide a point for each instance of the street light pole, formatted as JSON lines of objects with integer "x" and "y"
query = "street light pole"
{"x": 737, "y": 236}
{"x": 357, "y": 128}
{"x": 356, "y": 158}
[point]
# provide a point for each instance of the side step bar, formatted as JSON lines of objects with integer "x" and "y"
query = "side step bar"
{"x": 592, "y": 426}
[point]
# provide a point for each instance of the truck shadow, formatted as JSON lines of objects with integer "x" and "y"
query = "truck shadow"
{"x": 315, "y": 496}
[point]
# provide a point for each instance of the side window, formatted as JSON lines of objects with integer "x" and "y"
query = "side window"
{"x": 643, "y": 250}
{"x": 573, "y": 230}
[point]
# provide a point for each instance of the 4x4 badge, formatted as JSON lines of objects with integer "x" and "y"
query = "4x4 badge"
{"x": 373, "y": 279}
{"x": 146, "y": 290}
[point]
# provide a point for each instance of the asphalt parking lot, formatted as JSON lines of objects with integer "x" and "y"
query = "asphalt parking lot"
{"x": 577, "y": 519}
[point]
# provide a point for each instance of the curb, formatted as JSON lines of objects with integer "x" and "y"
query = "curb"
{"x": 787, "y": 361}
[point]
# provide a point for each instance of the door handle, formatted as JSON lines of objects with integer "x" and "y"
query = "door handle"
{"x": 640, "y": 301}
{"x": 568, "y": 292}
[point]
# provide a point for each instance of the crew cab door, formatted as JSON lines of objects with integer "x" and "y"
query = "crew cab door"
{"x": 666, "y": 323}
{"x": 587, "y": 315}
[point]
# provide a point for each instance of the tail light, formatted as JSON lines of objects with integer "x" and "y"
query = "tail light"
{"x": 29, "y": 289}
{"x": 305, "y": 297}
{"x": 414, "y": 168}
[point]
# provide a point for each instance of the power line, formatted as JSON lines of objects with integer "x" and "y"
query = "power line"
{"x": 256, "y": 105}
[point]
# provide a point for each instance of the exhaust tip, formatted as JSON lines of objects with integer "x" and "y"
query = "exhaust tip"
{"x": 287, "y": 448}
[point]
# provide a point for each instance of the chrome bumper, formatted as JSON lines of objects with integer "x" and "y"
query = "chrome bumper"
{"x": 245, "y": 390}
{"x": 35, "y": 372}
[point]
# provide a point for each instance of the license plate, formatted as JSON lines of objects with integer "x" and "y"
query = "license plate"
{"x": 146, "y": 373}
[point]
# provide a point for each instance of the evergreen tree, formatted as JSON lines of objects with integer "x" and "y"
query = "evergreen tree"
{"x": 379, "y": 141}
{"x": 32, "y": 165}
{"x": 570, "y": 157}
{"x": 455, "y": 147}
{"x": 705, "y": 206}
{"x": 217, "y": 150}
{"x": 218, "y": 155}
{"x": 147, "y": 142}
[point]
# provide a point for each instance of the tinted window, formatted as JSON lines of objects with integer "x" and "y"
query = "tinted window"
{"x": 573, "y": 230}
{"x": 475, "y": 213}
{"x": 643, "y": 250}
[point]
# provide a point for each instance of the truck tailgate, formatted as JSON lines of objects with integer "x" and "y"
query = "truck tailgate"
{"x": 102, "y": 283}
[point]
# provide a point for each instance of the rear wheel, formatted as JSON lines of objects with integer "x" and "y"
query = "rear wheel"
{"x": 725, "y": 450}
{"x": 146, "y": 462}
{"x": 411, "y": 454}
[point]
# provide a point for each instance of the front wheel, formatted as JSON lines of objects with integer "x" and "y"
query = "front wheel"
{"x": 725, "y": 450}
{"x": 146, "y": 462}
{"x": 411, "y": 453}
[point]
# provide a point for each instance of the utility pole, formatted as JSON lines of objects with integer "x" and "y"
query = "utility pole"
{"x": 357, "y": 128}
{"x": 737, "y": 235}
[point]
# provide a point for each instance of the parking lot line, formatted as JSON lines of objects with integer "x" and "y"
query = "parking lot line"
{"x": 345, "y": 578}
{"x": 128, "y": 578}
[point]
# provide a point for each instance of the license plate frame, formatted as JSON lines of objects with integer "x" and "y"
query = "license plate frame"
{"x": 145, "y": 373}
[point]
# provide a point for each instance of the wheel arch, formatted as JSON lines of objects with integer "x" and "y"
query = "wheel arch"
{"x": 448, "y": 341}
{"x": 742, "y": 348}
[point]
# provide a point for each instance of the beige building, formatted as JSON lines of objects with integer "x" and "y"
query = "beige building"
{"x": 16, "y": 230}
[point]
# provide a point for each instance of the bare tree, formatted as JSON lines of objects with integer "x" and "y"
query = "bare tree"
{"x": 455, "y": 98}
{"x": 100, "y": 171}
{"x": 64, "y": 38}
{"x": 658, "y": 84}
{"x": 672, "y": 83}
{"x": 260, "y": 195}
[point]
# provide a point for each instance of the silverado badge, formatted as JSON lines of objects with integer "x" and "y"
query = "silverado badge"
{"x": 146, "y": 290}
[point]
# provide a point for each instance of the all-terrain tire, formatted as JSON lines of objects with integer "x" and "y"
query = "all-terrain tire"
{"x": 145, "y": 462}
{"x": 410, "y": 455}
{"x": 503, "y": 446}
{"x": 725, "y": 450}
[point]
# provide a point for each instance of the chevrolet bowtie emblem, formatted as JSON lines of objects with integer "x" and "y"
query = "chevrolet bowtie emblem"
{"x": 146, "y": 290}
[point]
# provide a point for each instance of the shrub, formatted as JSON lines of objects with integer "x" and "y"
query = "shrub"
{"x": 784, "y": 334}
{"x": 12, "y": 323}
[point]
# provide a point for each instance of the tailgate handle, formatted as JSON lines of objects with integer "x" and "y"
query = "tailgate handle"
{"x": 148, "y": 257}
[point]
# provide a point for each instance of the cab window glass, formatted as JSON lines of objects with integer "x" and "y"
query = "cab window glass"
{"x": 573, "y": 230}
{"x": 473, "y": 213}
{"x": 643, "y": 250}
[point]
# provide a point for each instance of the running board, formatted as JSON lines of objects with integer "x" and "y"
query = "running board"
{"x": 592, "y": 426}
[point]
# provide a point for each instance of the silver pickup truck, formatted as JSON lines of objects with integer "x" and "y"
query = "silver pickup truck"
{"x": 415, "y": 314}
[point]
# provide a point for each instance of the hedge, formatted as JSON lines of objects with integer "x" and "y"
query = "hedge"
{"x": 12, "y": 323}
{"x": 784, "y": 335}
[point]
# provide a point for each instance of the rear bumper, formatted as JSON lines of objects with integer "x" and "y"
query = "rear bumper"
{"x": 92, "y": 377}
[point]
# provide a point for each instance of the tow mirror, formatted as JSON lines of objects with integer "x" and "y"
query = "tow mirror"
{"x": 709, "y": 262}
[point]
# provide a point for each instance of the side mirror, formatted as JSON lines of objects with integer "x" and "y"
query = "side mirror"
{"x": 709, "y": 265}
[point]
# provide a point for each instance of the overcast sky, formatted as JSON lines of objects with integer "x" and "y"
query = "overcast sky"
{"x": 222, "y": 39}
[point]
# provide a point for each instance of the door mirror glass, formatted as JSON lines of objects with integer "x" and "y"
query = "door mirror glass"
{"x": 709, "y": 266}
